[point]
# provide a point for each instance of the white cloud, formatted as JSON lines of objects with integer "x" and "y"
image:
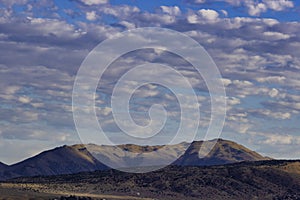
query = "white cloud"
{"x": 225, "y": 13}
{"x": 273, "y": 93}
{"x": 128, "y": 25}
{"x": 279, "y": 5}
{"x": 203, "y": 16}
{"x": 11, "y": 89}
{"x": 233, "y": 101}
{"x": 226, "y": 81}
{"x": 240, "y": 127}
{"x": 270, "y": 22}
{"x": 174, "y": 11}
{"x": 91, "y": 16}
{"x": 105, "y": 111}
{"x": 24, "y": 99}
{"x": 94, "y": 2}
{"x": 271, "y": 79}
{"x": 278, "y": 139}
{"x": 209, "y": 15}
{"x": 276, "y": 35}
{"x": 270, "y": 113}
{"x": 13, "y": 2}
{"x": 192, "y": 19}
{"x": 238, "y": 117}
{"x": 256, "y": 9}
{"x": 242, "y": 83}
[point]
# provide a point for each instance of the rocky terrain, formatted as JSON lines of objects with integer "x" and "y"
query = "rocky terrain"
{"x": 274, "y": 179}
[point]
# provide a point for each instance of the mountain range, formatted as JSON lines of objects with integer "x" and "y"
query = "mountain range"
{"x": 80, "y": 158}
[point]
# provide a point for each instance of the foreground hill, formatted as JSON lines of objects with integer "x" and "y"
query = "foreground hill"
{"x": 276, "y": 180}
{"x": 80, "y": 158}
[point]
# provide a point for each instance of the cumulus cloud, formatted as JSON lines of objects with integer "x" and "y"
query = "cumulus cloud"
{"x": 208, "y": 14}
{"x": 203, "y": 16}
{"x": 256, "y": 9}
{"x": 278, "y": 5}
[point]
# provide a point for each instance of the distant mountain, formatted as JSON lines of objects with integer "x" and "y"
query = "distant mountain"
{"x": 80, "y": 158}
{"x": 268, "y": 180}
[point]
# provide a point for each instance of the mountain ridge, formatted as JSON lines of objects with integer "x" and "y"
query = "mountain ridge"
{"x": 79, "y": 157}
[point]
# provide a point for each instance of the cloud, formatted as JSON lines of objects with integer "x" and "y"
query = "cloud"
{"x": 94, "y": 2}
{"x": 225, "y": 13}
{"x": 10, "y": 3}
{"x": 271, "y": 79}
{"x": 174, "y": 10}
{"x": 276, "y": 35}
{"x": 208, "y": 14}
{"x": 254, "y": 8}
{"x": 279, "y": 5}
{"x": 41, "y": 52}
{"x": 203, "y": 16}
{"x": 279, "y": 139}
{"x": 270, "y": 113}
{"x": 273, "y": 93}
{"x": 91, "y": 16}
{"x": 24, "y": 99}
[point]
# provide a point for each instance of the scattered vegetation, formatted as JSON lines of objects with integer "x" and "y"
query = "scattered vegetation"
{"x": 274, "y": 180}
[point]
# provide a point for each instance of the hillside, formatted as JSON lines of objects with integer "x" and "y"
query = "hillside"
{"x": 3, "y": 166}
{"x": 224, "y": 152}
{"x": 276, "y": 180}
{"x": 80, "y": 158}
{"x": 61, "y": 160}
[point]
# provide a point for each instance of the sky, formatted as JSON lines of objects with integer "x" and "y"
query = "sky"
{"x": 254, "y": 43}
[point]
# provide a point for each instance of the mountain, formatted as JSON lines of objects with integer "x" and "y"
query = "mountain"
{"x": 268, "y": 180}
{"x": 3, "y": 166}
{"x": 80, "y": 158}
{"x": 223, "y": 152}
{"x": 61, "y": 160}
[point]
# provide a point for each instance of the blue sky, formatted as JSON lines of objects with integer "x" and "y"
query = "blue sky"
{"x": 255, "y": 44}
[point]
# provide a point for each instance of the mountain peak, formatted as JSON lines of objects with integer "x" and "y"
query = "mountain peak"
{"x": 223, "y": 152}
